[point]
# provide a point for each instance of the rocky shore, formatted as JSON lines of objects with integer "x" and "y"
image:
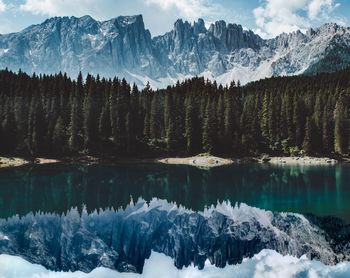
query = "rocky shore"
{"x": 307, "y": 160}
{"x": 201, "y": 161}
{"x": 198, "y": 161}
{"x": 7, "y": 162}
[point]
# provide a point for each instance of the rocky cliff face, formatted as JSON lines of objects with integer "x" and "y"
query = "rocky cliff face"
{"x": 81, "y": 44}
{"x": 122, "y": 46}
{"x": 123, "y": 239}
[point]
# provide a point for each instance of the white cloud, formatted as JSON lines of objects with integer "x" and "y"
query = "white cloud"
{"x": 159, "y": 15}
{"x": 323, "y": 7}
{"x": 3, "y": 6}
{"x": 277, "y": 16}
{"x": 60, "y": 7}
{"x": 190, "y": 9}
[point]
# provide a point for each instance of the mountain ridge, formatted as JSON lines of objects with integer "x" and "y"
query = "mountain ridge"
{"x": 123, "y": 46}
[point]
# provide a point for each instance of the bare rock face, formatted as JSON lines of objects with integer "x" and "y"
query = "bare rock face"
{"x": 123, "y": 46}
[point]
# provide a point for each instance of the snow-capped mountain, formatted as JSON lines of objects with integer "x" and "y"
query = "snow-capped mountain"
{"x": 124, "y": 47}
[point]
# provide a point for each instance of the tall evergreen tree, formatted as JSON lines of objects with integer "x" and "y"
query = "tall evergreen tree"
{"x": 308, "y": 143}
{"x": 190, "y": 126}
{"x": 90, "y": 119}
{"x": 73, "y": 141}
{"x": 341, "y": 131}
{"x": 210, "y": 128}
{"x": 59, "y": 136}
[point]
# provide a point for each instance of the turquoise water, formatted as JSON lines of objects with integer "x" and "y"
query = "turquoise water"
{"x": 322, "y": 191}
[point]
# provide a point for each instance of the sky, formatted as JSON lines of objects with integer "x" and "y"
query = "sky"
{"x": 268, "y": 18}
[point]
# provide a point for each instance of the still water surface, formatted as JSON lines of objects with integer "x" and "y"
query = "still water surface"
{"x": 323, "y": 190}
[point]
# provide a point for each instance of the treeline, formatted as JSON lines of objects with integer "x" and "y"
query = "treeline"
{"x": 54, "y": 115}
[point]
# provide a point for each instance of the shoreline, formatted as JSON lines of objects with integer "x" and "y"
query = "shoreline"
{"x": 200, "y": 161}
{"x": 306, "y": 160}
{"x": 12, "y": 162}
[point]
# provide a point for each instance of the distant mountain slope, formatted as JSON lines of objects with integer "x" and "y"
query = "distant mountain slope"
{"x": 122, "y": 46}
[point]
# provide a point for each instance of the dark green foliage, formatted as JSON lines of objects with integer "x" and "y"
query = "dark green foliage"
{"x": 54, "y": 115}
{"x": 309, "y": 139}
{"x": 8, "y": 129}
{"x": 74, "y": 144}
{"x": 90, "y": 110}
{"x": 190, "y": 127}
{"x": 341, "y": 130}
{"x": 59, "y": 136}
{"x": 210, "y": 128}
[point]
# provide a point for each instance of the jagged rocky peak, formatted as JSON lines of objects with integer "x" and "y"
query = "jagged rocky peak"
{"x": 328, "y": 29}
{"x": 87, "y": 23}
{"x": 199, "y": 26}
{"x": 131, "y": 20}
{"x": 134, "y": 23}
{"x": 218, "y": 29}
{"x": 289, "y": 40}
{"x": 123, "y": 46}
{"x": 233, "y": 36}
{"x": 182, "y": 30}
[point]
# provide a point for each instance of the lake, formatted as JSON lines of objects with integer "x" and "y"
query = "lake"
{"x": 319, "y": 190}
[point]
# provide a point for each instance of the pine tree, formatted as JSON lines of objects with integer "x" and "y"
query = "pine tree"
{"x": 9, "y": 131}
{"x": 90, "y": 119}
{"x": 155, "y": 118}
{"x": 210, "y": 128}
{"x": 327, "y": 142}
{"x": 59, "y": 136}
{"x": 36, "y": 127}
{"x": 113, "y": 111}
{"x": 190, "y": 126}
{"x": 299, "y": 121}
{"x": 104, "y": 127}
{"x": 171, "y": 136}
{"x": 129, "y": 133}
{"x": 264, "y": 126}
{"x": 146, "y": 126}
{"x": 73, "y": 141}
{"x": 341, "y": 131}
{"x": 21, "y": 112}
{"x": 308, "y": 143}
{"x": 228, "y": 123}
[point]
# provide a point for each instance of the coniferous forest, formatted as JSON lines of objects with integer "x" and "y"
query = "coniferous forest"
{"x": 58, "y": 116}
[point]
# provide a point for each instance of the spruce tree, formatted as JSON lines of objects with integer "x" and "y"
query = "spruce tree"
{"x": 9, "y": 134}
{"x": 264, "y": 122}
{"x": 341, "y": 130}
{"x": 171, "y": 135}
{"x": 90, "y": 119}
{"x": 155, "y": 118}
{"x": 308, "y": 143}
{"x": 190, "y": 126}
{"x": 59, "y": 136}
{"x": 74, "y": 126}
{"x": 228, "y": 123}
{"x": 210, "y": 128}
{"x": 113, "y": 111}
{"x": 104, "y": 126}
